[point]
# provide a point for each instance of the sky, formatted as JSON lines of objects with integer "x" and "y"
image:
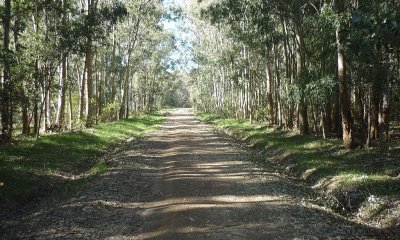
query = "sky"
{"x": 181, "y": 29}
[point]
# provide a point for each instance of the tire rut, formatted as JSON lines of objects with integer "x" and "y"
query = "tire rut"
{"x": 185, "y": 182}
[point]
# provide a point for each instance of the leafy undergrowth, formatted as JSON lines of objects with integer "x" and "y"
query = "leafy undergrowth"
{"x": 362, "y": 183}
{"x": 36, "y": 168}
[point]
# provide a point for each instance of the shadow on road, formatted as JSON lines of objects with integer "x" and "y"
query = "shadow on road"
{"x": 186, "y": 182}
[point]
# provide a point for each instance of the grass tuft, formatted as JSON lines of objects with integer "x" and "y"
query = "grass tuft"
{"x": 323, "y": 164}
{"x": 34, "y": 168}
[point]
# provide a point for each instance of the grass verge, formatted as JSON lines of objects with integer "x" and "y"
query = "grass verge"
{"x": 362, "y": 183}
{"x": 36, "y": 168}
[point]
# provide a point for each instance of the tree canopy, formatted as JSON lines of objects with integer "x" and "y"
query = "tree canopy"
{"x": 328, "y": 67}
{"x": 70, "y": 63}
{"x": 322, "y": 66}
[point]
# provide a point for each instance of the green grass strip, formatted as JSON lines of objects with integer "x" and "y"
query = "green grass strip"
{"x": 33, "y": 168}
{"x": 321, "y": 162}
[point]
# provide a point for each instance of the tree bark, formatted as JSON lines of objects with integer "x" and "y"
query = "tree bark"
{"x": 63, "y": 82}
{"x": 269, "y": 96}
{"x": 6, "y": 114}
{"x": 82, "y": 93}
{"x": 374, "y": 128}
{"x": 113, "y": 91}
{"x": 100, "y": 90}
{"x": 35, "y": 103}
{"x": 336, "y": 114}
{"x": 62, "y": 93}
{"x": 347, "y": 119}
{"x": 24, "y": 97}
{"x": 71, "y": 113}
{"x": 385, "y": 117}
{"x": 89, "y": 81}
{"x": 300, "y": 70}
{"x": 122, "y": 109}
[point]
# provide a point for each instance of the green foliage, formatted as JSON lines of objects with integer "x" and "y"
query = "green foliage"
{"x": 114, "y": 13}
{"x": 176, "y": 95}
{"x": 320, "y": 90}
{"x": 374, "y": 41}
{"x": 110, "y": 112}
{"x": 100, "y": 168}
{"x": 315, "y": 88}
{"x": 291, "y": 94}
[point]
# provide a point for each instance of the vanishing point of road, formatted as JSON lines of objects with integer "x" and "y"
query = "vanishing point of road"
{"x": 184, "y": 181}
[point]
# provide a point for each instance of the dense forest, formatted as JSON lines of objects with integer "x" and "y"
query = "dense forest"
{"x": 325, "y": 67}
{"x": 329, "y": 67}
{"x": 309, "y": 88}
{"x": 74, "y": 63}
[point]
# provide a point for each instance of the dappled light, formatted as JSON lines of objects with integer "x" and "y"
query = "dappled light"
{"x": 186, "y": 182}
{"x": 199, "y": 119}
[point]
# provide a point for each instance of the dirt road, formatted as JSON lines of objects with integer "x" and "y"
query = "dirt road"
{"x": 185, "y": 182}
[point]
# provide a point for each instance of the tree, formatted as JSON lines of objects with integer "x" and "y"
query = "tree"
{"x": 347, "y": 120}
{"x": 325, "y": 64}
{"x": 6, "y": 88}
{"x": 59, "y": 55}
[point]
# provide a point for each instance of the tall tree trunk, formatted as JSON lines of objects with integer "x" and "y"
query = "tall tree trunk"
{"x": 100, "y": 99}
{"x": 300, "y": 59}
{"x": 6, "y": 114}
{"x": 89, "y": 81}
{"x": 48, "y": 120}
{"x": 25, "y": 116}
{"x": 288, "y": 70}
{"x": 269, "y": 96}
{"x": 113, "y": 91}
{"x": 336, "y": 114}
{"x": 62, "y": 93}
{"x": 71, "y": 113}
{"x": 374, "y": 128}
{"x": 128, "y": 99}
{"x": 36, "y": 100}
{"x": 24, "y": 97}
{"x": 122, "y": 109}
{"x": 276, "y": 84}
{"x": 63, "y": 81}
{"x": 82, "y": 93}
{"x": 385, "y": 114}
{"x": 347, "y": 119}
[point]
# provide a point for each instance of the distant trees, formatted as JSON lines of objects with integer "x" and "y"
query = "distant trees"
{"x": 324, "y": 66}
{"x": 75, "y": 63}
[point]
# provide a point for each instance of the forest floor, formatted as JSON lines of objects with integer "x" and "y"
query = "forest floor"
{"x": 185, "y": 181}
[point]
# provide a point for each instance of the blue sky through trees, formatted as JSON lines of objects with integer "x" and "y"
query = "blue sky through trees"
{"x": 182, "y": 58}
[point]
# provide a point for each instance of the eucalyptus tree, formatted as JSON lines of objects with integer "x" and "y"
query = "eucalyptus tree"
{"x": 330, "y": 63}
{"x": 39, "y": 43}
{"x": 255, "y": 24}
{"x": 140, "y": 39}
{"x": 63, "y": 47}
{"x": 347, "y": 119}
{"x": 97, "y": 15}
{"x": 6, "y": 86}
{"x": 374, "y": 49}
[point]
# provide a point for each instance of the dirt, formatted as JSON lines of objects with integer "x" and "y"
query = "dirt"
{"x": 185, "y": 181}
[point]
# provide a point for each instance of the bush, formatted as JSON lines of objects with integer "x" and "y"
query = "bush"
{"x": 110, "y": 112}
